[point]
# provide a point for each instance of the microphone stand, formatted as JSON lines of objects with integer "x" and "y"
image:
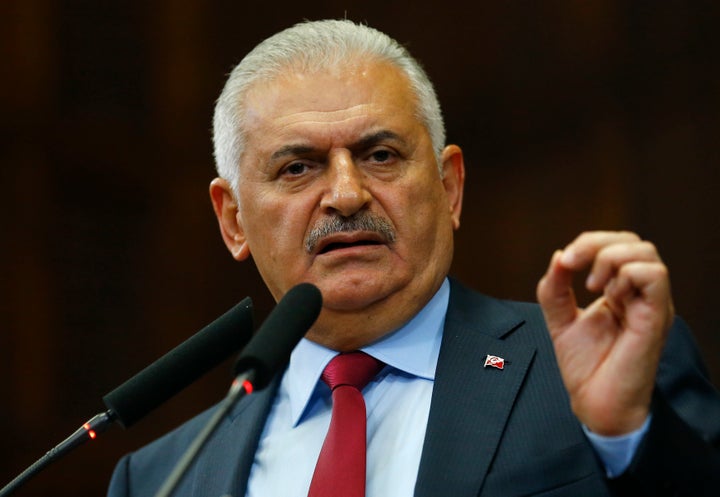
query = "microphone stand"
{"x": 97, "y": 424}
{"x": 241, "y": 386}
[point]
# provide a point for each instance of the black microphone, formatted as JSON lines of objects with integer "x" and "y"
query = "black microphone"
{"x": 157, "y": 383}
{"x": 265, "y": 355}
{"x": 271, "y": 346}
{"x": 181, "y": 366}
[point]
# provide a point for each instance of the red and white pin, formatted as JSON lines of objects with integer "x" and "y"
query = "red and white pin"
{"x": 494, "y": 362}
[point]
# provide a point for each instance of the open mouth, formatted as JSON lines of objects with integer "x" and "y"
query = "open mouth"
{"x": 341, "y": 245}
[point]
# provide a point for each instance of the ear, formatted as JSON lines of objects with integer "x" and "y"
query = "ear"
{"x": 227, "y": 212}
{"x": 453, "y": 168}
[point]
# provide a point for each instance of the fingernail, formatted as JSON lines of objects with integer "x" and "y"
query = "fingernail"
{"x": 567, "y": 257}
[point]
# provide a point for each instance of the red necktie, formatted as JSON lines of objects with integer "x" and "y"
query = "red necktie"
{"x": 340, "y": 470}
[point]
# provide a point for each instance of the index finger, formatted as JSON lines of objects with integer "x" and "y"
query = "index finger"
{"x": 556, "y": 297}
{"x": 581, "y": 252}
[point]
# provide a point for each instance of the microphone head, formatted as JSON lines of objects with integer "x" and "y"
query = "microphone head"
{"x": 181, "y": 366}
{"x": 271, "y": 346}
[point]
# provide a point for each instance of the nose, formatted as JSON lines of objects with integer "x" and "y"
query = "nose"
{"x": 347, "y": 192}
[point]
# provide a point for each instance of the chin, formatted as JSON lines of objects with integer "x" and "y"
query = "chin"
{"x": 348, "y": 294}
{"x": 334, "y": 300}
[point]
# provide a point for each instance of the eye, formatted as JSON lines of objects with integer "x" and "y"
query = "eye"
{"x": 295, "y": 168}
{"x": 381, "y": 156}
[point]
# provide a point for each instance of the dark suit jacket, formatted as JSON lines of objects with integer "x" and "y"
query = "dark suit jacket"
{"x": 490, "y": 432}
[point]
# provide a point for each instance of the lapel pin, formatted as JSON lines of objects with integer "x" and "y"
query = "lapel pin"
{"x": 494, "y": 361}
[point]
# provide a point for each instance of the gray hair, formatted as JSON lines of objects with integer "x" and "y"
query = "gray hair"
{"x": 313, "y": 46}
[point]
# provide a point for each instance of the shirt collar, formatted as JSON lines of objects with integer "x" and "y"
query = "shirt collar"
{"x": 413, "y": 349}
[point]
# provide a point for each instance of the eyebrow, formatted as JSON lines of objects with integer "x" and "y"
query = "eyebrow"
{"x": 374, "y": 138}
{"x": 363, "y": 143}
{"x": 289, "y": 150}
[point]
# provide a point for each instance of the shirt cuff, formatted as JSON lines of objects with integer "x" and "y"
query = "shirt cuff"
{"x": 616, "y": 453}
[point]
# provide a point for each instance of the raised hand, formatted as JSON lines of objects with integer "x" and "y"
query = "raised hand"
{"x": 608, "y": 353}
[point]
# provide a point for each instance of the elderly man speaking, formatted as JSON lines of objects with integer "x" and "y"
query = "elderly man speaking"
{"x": 333, "y": 170}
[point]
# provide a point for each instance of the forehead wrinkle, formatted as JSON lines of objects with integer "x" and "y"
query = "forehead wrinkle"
{"x": 305, "y": 136}
{"x": 324, "y": 117}
{"x": 301, "y": 136}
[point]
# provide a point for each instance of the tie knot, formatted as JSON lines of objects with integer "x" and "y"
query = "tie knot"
{"x": 351, "y": 368}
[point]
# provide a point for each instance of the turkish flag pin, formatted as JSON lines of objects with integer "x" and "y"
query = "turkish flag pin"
{"x": 494, "y": 361}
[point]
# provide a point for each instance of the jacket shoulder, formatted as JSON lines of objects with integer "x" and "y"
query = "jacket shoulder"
{"x": 155, "y": 461}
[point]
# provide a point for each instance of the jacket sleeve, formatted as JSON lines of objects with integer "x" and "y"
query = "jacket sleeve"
{"x": 680, "y": 454}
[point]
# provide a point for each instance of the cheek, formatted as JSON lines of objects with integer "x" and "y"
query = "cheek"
{"x": 417, "y": 213}
{"x": 276, "y": 227}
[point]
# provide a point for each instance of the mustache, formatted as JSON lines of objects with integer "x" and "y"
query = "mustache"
{"x": 361, "y": 221}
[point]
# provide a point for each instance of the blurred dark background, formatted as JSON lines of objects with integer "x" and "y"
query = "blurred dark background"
{"x": 573, "y": 116}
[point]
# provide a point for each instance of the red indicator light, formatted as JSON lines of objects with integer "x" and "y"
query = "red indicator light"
{"x": 248, "y": 387}
{"x": 91, "y": 433}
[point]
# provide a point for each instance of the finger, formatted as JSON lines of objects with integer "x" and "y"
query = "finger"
{"x": 611, "y": 258}
{"x": 556, "y": 296}
{"x": 582, "y": 251}
{"x": 647, "y": 282}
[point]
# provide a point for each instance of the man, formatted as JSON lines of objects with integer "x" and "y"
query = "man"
{"x": 333, "y": 170}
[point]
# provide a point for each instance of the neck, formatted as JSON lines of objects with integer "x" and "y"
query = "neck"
{"x": 351, "y": 330}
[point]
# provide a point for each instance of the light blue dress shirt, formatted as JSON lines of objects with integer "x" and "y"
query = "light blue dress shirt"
{"x": 397, "y": 403}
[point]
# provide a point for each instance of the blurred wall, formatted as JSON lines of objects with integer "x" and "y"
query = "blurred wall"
{"x": 572, "y": 115}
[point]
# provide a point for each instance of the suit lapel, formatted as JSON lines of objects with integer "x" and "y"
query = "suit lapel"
{"x": 470, "y": 403}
